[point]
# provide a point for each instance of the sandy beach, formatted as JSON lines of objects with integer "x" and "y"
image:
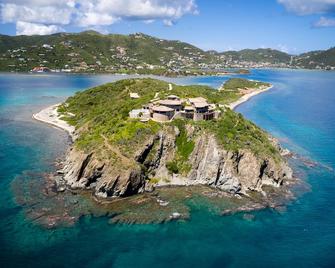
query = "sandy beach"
{"x": 247, "y": 97}
{"x": 50, "y": 116}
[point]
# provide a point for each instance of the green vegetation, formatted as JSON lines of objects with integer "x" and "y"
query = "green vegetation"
{"x": 316, "y": 59}
{"x": 234, "y": 84}
{"x": 259, "y": 55}
{"x": 93, "y": 52}
{"x": 101, "y": 115}
{"x": 154, "y": 180}
{"x": 185, "y": 147}
{"x": 234, "y": 132}
{"x": 172, "y": 167}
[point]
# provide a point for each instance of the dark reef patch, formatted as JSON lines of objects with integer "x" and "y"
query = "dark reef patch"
{"x": 44, "y": 205}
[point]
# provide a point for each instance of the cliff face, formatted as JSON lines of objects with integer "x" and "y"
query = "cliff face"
{"x": 209, "y": 164}
{"x": 86, "y": 171}
{"x": 235, "y": 172}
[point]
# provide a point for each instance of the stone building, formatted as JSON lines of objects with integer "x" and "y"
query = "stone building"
{"x": 162, "y": 113}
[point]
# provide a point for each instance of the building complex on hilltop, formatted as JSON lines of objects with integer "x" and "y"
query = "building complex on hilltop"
{"x": 172, "y": 107}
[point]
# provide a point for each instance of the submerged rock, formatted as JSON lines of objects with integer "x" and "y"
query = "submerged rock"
{"x": 175, "y": 215}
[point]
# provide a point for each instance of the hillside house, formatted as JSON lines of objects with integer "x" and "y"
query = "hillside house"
{"x": 201, "y": 109}
{"x": 162, "y": 113}
{"x": 173, "y": 107}
{"x": 40, "y": 69}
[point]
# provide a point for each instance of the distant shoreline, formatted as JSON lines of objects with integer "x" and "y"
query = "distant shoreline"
{"x": 155, "y": 75}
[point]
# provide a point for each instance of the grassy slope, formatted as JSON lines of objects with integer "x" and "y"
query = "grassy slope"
{"x": 239, "y": 83}
{"x": 102, "y": 113}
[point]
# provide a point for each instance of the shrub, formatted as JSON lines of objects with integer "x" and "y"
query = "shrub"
{"x": 172, "y": 167}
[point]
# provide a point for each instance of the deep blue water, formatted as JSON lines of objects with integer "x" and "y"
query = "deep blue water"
{"x": 299, "y": 110}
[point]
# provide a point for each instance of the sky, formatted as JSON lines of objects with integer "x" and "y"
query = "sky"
{"x": 292, "y": 26}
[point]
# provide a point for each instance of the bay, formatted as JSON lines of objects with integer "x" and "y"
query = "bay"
{"x": 299, "y": 110}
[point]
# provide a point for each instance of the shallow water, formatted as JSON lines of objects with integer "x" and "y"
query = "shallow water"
{"x": 298, "y": 110}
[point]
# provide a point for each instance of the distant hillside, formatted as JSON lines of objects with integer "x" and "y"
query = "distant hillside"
{"x": 258, "y": 55}
{"x": 316, "y": 59}
{"x": 138, "y": 53}
{"x": 96, "y": 52}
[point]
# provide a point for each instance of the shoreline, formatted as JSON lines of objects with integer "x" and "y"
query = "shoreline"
{"x": 122, "y": 74}
{"x": 50, "y": 116}
{"x": 247, "y": 97}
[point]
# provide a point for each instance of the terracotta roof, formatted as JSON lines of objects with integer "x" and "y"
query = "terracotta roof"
{"x": 198, "y": 99}
{"x": 170, "y": 102}
{"x": 200, "y": 104}
{"x": 173, "y": 97}
{"x": 162, "y": 109}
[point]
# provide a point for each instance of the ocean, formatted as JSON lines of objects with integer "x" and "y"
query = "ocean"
{"x": 299, "y": 111}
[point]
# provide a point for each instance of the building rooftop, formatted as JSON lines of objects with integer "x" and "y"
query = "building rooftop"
{"x": 140, "y": 111}
{"x": 161, "y": 108}
{"x": 200, "y": 105}
{"x": 170, "y": 102}
{"x": 198, "y": 99}
{"x": 173, "y": 97}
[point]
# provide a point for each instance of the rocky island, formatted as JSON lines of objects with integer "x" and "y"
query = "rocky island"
{"x": 115, "y": 155}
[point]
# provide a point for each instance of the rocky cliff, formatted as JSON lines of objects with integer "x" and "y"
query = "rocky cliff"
{"x": 115, "y": 174}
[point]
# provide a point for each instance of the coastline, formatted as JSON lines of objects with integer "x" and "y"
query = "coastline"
{"x": 50, "y": 116}
{"x": 247, "y": 97}
{"x": 78, "y": 167}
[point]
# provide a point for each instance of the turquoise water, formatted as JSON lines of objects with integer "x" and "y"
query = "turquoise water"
{"x": 299, "y": 110}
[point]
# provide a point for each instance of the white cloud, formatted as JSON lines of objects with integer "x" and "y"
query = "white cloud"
{"x": 283, "y": 48}
{"x": 325, "y": 22}
{"x": 95, "y": 19}
{"x": 44, "y": 14}
{"x": 87, "y": 13}
{"x": 145, "y": 10}
{"x": 309, "y": 7}
{"x": 168, "y": 22}
{"x": 148, "y": 21}
{"x": 27, "y": 28}
{"x": 306, "y": 7}
{"x": 148, "y": 9}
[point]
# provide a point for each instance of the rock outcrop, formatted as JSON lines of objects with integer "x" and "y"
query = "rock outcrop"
{"x": 210, "y": 164}
{"x": 234, "y": 172}
{"x": 85, "y": 171}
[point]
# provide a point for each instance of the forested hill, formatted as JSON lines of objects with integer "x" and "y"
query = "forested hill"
{"x": 91, "y": 51}
{"x": 322, "y": 58}
{"x": 259, "y": 55}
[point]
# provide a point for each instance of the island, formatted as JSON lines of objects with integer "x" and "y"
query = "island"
{"x": 139, "y": 136}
